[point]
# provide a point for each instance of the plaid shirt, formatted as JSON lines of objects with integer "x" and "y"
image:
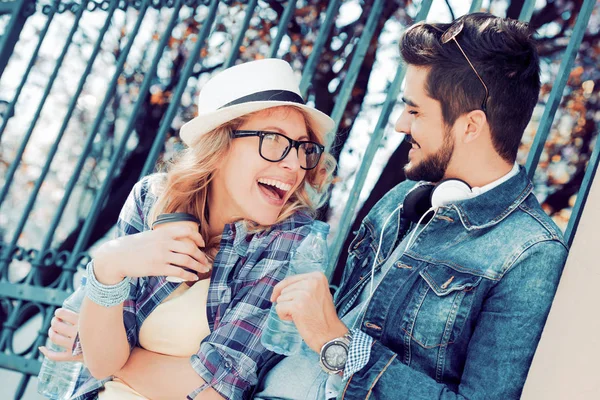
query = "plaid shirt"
{"x": 245, "y": 271}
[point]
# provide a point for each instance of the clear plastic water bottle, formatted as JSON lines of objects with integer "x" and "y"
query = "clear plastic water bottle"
{"x": 282, "y": 336}
{"x": 57, "y": 378}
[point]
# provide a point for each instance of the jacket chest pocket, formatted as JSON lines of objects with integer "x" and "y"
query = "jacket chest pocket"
{"x": 438, "y": 310}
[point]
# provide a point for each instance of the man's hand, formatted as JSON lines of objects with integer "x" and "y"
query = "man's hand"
{"x": 306, "y": 300}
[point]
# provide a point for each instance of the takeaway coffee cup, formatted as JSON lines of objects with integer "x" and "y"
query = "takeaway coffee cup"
{"x": 171, "y": 219}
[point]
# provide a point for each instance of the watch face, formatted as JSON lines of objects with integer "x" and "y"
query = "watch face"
{"x": 335, "y": 356}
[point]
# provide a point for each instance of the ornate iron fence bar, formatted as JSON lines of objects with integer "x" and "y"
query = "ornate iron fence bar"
{"x": 475, "y": 6}
{"x": 527, "y": 10}
{"x": 42, "y": 35}
{"x": 237, "y": 43}
{"x": 52, "y": 152}
{"x": 17, "y": 160}
{"x": 116, "y": 158}
{"x": 142, "y": 9}
{"x": 176, "y": 98}
{"x": 282, "y": 27}
{"x": 358, "y": 55}
{"x": 559, "y": 85}
{"x": 21, "y": 10}
{"x": 313, "y": 59}
{"x": 374, "y": 142}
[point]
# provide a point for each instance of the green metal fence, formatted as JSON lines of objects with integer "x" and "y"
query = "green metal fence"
{"x": 192, "y": 23}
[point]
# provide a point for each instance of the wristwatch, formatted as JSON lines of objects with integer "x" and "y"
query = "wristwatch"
{"x": 334, "y": 354}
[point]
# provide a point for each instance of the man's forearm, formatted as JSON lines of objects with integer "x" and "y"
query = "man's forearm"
{"x": 159, "y": 376}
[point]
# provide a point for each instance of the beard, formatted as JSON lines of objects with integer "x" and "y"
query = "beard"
{"x": 431, "y": 168}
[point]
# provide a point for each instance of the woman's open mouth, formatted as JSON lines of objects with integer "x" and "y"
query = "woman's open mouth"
{"x": 274, "y": 190}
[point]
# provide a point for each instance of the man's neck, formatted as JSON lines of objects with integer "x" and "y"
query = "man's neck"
{"x": 481, "y": 175}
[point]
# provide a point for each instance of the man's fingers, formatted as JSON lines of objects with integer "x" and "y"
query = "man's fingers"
{"x": 284, "y": 310}
{"x": 286, "y": 283}
{"x": 292, "y": 293}
{"x": 59, "y": 355}
{"x": 67, "y": 315}
{"x": 295, "y": 279}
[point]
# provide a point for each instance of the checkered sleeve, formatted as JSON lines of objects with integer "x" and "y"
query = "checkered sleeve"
{"x": 358, "y": 353}
{"x": 132, "y": 220}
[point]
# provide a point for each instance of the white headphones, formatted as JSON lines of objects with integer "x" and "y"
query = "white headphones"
{"x": 427, "y": 196}
{"x": 450, "y": 191}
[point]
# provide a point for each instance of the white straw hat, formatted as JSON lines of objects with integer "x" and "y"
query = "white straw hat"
{"x": 246, "y": 88}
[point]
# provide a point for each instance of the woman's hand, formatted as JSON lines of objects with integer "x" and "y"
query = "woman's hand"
{"x": 163, "y": 252}
{"x": 62, "y": 332}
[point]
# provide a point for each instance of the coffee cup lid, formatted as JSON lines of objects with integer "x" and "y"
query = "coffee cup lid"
{"x": 174, "y": 217}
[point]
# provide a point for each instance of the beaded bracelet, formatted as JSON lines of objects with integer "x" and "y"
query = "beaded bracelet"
{"x": 105, "y": 295}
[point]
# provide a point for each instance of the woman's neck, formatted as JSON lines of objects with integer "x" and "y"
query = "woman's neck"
{"x": 216, "y": 216}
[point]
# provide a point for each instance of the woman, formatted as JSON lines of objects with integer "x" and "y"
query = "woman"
{"x": 255, "y": 151}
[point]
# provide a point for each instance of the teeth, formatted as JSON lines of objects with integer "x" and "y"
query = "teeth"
{"x": 277, "y": 184}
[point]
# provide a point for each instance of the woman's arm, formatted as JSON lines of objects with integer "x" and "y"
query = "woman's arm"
{"x": 107, "y": 334}
{"x": 158, "y": 376}
{"x": 152, "y": 253}
{"x": 103, "y": 338}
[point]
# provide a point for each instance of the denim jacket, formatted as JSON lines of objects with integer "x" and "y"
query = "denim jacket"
{"x": 460, "y": 313}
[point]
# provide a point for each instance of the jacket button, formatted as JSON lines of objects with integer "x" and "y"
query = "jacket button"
{"x": 372, "y": 326}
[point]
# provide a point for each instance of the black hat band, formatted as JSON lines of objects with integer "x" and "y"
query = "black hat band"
{"x": 267, "y": 95}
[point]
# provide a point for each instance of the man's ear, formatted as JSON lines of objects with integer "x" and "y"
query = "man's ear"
{"x": 475, "y": 124}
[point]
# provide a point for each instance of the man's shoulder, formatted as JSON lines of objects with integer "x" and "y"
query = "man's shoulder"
{"x": 530, "y": 220}
{"x": 527, "y": 230}
{"x": 393, "y": 198}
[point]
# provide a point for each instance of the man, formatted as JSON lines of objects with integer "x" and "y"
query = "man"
{"x": 446, "y": 291}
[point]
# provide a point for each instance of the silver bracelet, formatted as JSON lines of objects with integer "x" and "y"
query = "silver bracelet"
{"x": 105, "y": 295}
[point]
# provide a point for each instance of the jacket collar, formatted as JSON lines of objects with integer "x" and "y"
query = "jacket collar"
{"x": 493, "y": 206}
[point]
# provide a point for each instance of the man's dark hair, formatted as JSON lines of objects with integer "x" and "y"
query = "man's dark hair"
{"x": 503, "y": 53}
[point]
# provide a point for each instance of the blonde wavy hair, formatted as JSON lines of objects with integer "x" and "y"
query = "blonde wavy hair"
{"x": 186, "y": 186}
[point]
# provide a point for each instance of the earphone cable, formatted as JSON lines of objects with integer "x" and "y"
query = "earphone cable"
{"x": 372, "y": 290}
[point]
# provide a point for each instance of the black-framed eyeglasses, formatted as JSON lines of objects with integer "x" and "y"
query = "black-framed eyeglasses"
{"x": 451, "y": 34}
{"x": 274, "y": 147}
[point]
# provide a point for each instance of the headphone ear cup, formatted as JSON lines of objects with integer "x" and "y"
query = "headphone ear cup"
{"x": 450, "y": 191}
{"x": 417, "y": 202}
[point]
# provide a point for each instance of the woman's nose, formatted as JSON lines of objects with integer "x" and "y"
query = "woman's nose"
{"x": 291, "y": 160}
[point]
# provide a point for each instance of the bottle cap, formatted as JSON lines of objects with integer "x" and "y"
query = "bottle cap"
{"x": 320, "y": 226}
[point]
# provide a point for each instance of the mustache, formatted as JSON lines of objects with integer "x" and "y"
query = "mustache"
{"x": 409, "y": 139}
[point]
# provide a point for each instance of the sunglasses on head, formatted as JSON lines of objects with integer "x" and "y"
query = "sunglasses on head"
{"x": 451, "y": 34}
